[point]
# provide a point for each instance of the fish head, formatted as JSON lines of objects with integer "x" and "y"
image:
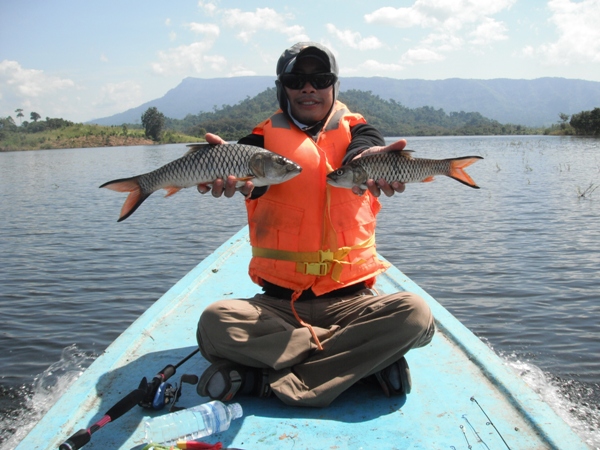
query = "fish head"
{"x": 270, "y": 168}
{"x": 348, "y": 176}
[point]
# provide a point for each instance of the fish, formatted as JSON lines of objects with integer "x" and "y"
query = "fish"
{"x": 203, "y": 164}
{"x": 400, "y": 165}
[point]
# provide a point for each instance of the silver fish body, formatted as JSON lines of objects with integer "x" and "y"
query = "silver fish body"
{"x": 203, "y": 164}
{"x": 400, "y": 166}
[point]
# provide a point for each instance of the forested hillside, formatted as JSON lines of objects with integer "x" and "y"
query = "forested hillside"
{"x": 233, "y": 122}
{"x": 389, "y": 116}
{"x": 534, "y": 103}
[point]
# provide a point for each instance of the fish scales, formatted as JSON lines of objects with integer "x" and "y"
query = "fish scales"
{"x": 400, "y": 166}
{"x": 203, "y": 164}
{"x": 390, "y": 167}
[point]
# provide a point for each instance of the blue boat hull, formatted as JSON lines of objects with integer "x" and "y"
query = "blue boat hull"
{"x": 463, "y": 394}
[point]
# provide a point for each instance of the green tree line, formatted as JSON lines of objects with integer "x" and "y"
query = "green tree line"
{"x": 586, "y": 122}
{"x": 61, "y": 133}
{"x": 235, "y": 121}
{"x": 8, "y": 124}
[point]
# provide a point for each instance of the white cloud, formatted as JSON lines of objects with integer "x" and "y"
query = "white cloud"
{"x": 578, "y": 28}
{"x": 209, "y": 7}
{"x": 353, "y": 39}
{"x": 453, "y": 22}
{"x": 29, "y": 83}
{"x": 52, "y": 96}
{"x": 447, "y": 14}
{"x": 187, "y": 58}
{"x": 215, "y": 62}
{"x": 398, "y": 17}
{"x": 421, "y": 56}
{"x": 33, "y": 90}
{"x": 119, "y": 96}
{"x": 193, "y": 57}
{"x": 488, "y": 31}
{"x": 527, "y": 51}
{"x": 442, "y": 42}
{"x": 249, "y": 23}
{"x": 103, "y": 58}
{"x": 378, "y": 68}
{"x": 241, "y": 71}
{"x": 210, "y": 30}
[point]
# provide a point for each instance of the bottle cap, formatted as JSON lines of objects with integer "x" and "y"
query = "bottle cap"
{"x": 236, "y": 410}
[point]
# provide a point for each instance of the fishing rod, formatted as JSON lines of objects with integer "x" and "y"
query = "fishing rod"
{"x": 147, "y": 395}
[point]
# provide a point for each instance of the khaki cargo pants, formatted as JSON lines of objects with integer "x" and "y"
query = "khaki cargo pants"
{"x": 361, "y": 334}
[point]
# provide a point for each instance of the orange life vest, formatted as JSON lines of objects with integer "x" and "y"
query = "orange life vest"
{"x": 304, "y": 232}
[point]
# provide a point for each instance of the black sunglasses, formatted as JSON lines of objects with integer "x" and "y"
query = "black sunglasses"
{"x": 298, "y": 80}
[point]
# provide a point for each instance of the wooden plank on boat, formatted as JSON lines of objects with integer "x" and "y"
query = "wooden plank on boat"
{"x": 463, "y": 394}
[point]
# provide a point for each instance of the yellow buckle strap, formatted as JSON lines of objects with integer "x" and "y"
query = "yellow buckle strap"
{"x": 316, "y": 269}
{"x": 315, "y": 263}
{"x": 326, "y": 255}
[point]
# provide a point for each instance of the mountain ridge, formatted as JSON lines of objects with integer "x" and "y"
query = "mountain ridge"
{"x": 536, "y": 102}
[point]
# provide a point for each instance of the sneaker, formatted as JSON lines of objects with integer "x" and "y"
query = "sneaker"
{"x": 224, "y": 379}
{"x": 395, "y": 378}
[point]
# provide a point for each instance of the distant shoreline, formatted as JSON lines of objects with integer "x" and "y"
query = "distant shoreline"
{"x": 84, "y": 142}
{"x": 130, "y": 141}
{"x": 74, "y": 137}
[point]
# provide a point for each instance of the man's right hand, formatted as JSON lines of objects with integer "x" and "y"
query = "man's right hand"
{"x": 220, "y": 187}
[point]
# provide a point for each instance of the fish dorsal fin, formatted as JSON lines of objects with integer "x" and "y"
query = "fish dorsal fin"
{"x": 201, "y": 146}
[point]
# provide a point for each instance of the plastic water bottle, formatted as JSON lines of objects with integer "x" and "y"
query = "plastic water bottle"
{"x": 192, "y": 423}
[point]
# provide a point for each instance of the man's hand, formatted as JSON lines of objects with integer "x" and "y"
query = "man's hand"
{"x": 377, "y": 186}
{"x": 220, "y": 187}
{"x": 214, "y": 139}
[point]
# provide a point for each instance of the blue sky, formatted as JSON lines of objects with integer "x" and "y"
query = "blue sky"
{"x": 88, "y": 59}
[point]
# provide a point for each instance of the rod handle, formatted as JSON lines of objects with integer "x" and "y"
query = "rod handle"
{"x": 76, "y": 441}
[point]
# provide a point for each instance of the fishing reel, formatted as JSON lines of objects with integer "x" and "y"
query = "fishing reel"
{"x": 161, "y": 393}
{"x": 164, "y": 395}
{"x": 158, "y": 393}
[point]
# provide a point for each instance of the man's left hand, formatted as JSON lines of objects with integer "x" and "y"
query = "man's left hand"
{"x": 375, "y": 187}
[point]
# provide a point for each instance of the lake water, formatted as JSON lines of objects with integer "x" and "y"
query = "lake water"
{"x": 517, "y": 261}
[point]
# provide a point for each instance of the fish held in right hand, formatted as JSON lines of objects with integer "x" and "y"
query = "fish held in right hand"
{"x": 203, "y": 164}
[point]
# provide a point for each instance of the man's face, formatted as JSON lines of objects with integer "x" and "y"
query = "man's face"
{"x": 309, "y": 105}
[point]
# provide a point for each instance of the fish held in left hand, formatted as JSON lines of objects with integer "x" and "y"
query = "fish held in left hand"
{"x": 400, "y": 166}
{"x": 203, "y": 164}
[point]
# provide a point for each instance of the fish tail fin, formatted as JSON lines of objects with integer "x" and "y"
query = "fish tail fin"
{"x": 135, "y": 198}
{"x": 457, "y": 166}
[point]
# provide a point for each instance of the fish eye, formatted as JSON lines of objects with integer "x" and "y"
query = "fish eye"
{"x": 281, "y": 161}
{"x": 339, "y": 172}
